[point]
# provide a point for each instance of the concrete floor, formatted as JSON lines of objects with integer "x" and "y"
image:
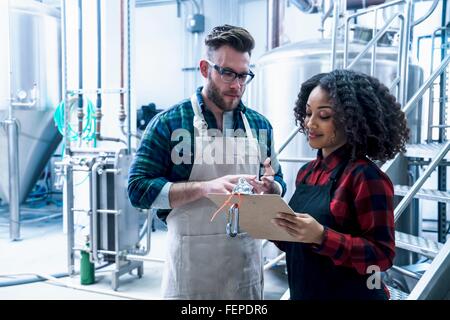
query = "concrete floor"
{"x": 42, "y": 250}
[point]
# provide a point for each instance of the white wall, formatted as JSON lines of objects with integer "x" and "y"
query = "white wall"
{"x": 164, "y": 47}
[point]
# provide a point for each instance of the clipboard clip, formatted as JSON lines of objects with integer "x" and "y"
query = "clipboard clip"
{"x": 232, "y": 228}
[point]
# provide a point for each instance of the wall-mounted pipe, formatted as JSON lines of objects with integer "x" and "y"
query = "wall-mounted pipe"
{"x": 427, "y": 14}
{"x": 98, "y": 112}
{"x": 275, "y": 19}
{"x": 80, "y": 113}
{"x": 307, "y": 6}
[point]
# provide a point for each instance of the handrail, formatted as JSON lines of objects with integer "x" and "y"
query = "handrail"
{"x": 418, "y": 184}
{"x": 285, "y": 143}
{"x": 426, "y": 85}
{"x": 375, "y": 8}
{"x": 371, "y": 42}
{"x": 408, "y": 107}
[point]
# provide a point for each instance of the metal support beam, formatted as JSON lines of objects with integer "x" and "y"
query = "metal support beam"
{"x": 13, "y": 170}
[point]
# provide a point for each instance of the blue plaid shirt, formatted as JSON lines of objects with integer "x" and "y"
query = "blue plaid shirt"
{"x": 152, "y": 166}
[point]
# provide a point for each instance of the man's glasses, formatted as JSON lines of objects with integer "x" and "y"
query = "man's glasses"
{"x": 228, "y": 75}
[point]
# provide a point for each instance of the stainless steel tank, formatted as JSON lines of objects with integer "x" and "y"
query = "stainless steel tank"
{"x": 31, "y": 86}
{"x": 280, "y": 73}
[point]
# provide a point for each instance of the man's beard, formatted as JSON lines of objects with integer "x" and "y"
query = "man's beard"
{"x": 214, "y": 95}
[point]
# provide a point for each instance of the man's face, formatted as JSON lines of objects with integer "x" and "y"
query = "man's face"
{"x": 226, "y": 95}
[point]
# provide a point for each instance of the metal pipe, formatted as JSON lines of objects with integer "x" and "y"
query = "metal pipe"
{"x": 324, "y": 17}
{"x": 94, "y": 208}
{"x": 13, "y": 171}
{"x": 80, "y": 113}
{"x": 431, "y": 96}
{"x": 291, "y": 136}
{"x": 374, "y": 47}
{"x": 426, "y": 85}
{"x": 381, "y": 6}
{"x": 98, "y": 112}
{"x": 274, "y": 261}
{"x": 399, "y": 58}
{"x": 427, "y": 14}
{"x": 336, "y": 11}
{"x": 362, "y": 4}
{"x": 418, "y": 184}
{"x": 129, "y": 74}
{"x": 133, "y": 257}
{"x": 275, "y": 18}
{"x": 307, "y": 6}
{"x": 122, "y": 114}
{"x": 406, "y": 272}
{"x": 403, "y": 89}
{"x": 68, "y": 205}
{"x": 66, "y": 141}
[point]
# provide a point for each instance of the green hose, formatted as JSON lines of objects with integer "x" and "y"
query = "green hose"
{"x": 88, "y": 133}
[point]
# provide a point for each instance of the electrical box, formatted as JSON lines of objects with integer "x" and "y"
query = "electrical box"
{"x": 196, "y": 23}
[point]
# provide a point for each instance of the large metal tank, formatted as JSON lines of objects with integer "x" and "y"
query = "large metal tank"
{"x": 30, "y": 83}
{"x": 280, "y": 73}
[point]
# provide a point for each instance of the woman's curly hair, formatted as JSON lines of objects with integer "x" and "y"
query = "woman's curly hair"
{"x": 373, "y": 121}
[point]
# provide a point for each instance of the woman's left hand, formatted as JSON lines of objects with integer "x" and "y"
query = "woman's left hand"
{"x": 302, "y": 227}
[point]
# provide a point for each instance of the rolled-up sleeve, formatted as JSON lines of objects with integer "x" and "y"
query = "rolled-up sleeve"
{"x": 148, "y": 171}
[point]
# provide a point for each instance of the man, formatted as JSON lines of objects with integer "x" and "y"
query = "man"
{"x": 201, "y": 146}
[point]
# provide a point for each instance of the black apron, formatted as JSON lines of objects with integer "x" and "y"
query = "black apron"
{"x": 313, "y": 276}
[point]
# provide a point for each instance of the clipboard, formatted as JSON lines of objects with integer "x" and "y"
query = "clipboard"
{"x": 256, "y": 212}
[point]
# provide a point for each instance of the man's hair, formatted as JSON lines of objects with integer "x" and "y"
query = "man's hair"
{"x": 372, "y": 119}
{"x": 236, "y": 37}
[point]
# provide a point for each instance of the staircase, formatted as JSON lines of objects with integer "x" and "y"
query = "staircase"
{"x": 429, "y": 279}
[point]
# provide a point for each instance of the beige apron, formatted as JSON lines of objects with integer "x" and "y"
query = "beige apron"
{"x": 202, "y": 261}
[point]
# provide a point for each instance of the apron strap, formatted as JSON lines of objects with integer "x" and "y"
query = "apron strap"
{"x": 247, "y": 127}
{"x": 201, "y": 124}
{"x": 199, "y": 120}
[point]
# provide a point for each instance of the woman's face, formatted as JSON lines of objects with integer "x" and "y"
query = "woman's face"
{"x": 320, "y": 128}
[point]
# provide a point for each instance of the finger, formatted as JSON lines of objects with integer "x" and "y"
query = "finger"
{"x": 287, "y": 216}
{"x": 268, "y": 170}
{"x": 267, "y": 179}
{"x": 286, "y": 226}
{"x": 228, "y": 186}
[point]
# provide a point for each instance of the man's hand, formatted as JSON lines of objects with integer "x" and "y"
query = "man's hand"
{"x": 303, "y": 227}
{"x": 266, "y": 185}
{"x": 224, "y": 184}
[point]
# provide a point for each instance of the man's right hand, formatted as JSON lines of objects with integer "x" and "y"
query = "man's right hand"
{"x": 224, "y": 184}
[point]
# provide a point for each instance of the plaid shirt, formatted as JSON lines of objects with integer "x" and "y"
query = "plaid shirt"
{"x": 152, "y": 166}
{"x": 364, "y": 196}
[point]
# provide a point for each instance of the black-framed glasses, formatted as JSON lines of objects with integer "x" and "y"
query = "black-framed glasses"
{"x": 228, "y": 75}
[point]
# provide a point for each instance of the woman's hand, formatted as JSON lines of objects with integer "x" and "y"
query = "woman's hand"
{"x": 302, "y": 227}
{"x": 266, "y": 185}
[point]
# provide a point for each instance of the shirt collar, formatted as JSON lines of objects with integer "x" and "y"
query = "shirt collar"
{"x": 336, "y": 157}
{"x": 201, "y": 102}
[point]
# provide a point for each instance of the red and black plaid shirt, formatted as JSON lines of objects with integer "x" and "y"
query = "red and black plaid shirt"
{"x": 364, "y": 194}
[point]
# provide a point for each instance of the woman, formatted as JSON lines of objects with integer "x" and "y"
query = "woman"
{"x": 345, "y": 221}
